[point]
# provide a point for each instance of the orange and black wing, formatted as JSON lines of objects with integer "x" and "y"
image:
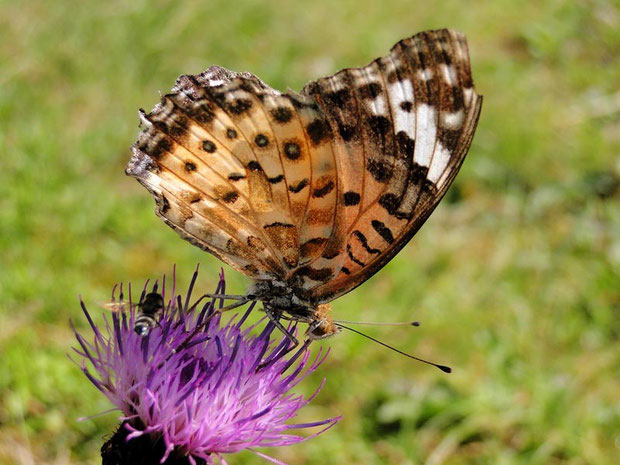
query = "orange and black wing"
{"x": 320, "y": 189}
{"x": 402, "y": 126}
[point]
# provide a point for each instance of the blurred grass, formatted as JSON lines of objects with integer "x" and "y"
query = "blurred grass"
{"x": 515, "y": 277}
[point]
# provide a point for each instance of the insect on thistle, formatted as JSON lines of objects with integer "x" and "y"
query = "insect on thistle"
{"x": 148, "y": 310}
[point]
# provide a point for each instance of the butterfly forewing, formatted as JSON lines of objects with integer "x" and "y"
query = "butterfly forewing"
{"x": 319, "y": 189}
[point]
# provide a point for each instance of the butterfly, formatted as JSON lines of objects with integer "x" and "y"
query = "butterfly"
{"x": 311, "y": 193}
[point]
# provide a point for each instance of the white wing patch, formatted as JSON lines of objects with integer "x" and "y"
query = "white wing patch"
{"x": 426, "y": 134}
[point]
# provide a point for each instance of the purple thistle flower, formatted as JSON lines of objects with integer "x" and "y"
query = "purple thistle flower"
{"x": 193, "y": 389}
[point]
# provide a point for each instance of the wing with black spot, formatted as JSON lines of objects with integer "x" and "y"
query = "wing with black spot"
{"x": 402, "y": 126}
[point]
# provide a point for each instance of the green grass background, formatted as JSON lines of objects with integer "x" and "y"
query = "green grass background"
{"x": 515, "y": 276}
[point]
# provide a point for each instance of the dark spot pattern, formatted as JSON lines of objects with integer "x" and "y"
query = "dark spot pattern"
{"x": 282, "y": 114}
{"x": 202, "y": 114}
{"x": 239, "y": 106}
{"x": 261, "y": 140}
{"x": 157, "y": 149}
{"x": 299, "y": 187}
{"x": 346, "y": 131}
{"x": 399, "y": 74}
{"x": 278, "y": 224}
{"x": 231, "y": 133}
{"x": 380, "y": 171}
{"x": 318, "y": 131}
{"x": 364, "y": 242}
{"x": 406, "y": 145}
{"x": 323, "y": 190}
{"x": 292, "y": 150}
{"x": 370, "y": 90}
{"x": 418, "y": 174}
{"x": 189, "y": 166}
{"x": 345, "y": 270}
{"x": 276, "y": 179}
{"x": 230, "y": 197}
{"x": 353, "y": 258}
{"x": 390, "y": 202}
{"x": 351, "y": 198}
{"x": 208, "y": 146}
{"x": 406, "y": 106}
{"x": 254, "y": 166}
{"x": 338, "y": 98}
{"x": 380, "y": 125}
{"x": 195, "y": 198}
{"x": 165, "y": 205}
{"x": 383, "y": 231}
{"x": 235, "y": 176}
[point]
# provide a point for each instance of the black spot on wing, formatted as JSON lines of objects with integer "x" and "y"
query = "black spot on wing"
{"x": 380, "y": 171}
{"x": 209, "y": 146}
{"x": 383, "y": 231}
{"x": 406, "y": 145}
{"x": 255, "y": 166}
{"x": 323, "y": 190}
{"x": 164, "y": 205}
{"x": 379, "y": 125}
{"x": 353, "y": 257}
{"x": 276, "y": 179}
{"x": 238, "y": 106}
{"x": 360, "y": 237}
{"x": 292, "y": 150}
{"x": 282, "y": 114}
{"x": 230, "y": 197}
{"x": 351, "y": 198}
{"x": 261, "y": 140}
{"x": 278, "y": 224}
{"x": 390, "y": 202}
{"x": 370, "y": 90}
{"x": 406, "y": 106}
{"x": 236, "y": 176}
{"x": 338, "y": 98}
{"x": 347, "y": 132}
{"x": 318, "y": 131}
{"x": 299, "y": 187}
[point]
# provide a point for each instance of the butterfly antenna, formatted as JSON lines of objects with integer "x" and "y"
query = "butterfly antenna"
{"x": 443, "y": 368}
{"x": 370, "y": 323}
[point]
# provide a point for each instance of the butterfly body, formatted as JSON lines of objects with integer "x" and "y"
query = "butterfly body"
{"x": 281, "y": 300}
{"x": 310, "y": 194}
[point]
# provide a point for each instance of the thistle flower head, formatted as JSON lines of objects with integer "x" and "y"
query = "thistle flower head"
{"x": 193, "y": 387}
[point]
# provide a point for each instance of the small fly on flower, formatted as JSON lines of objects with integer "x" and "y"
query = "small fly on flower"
{"x": 149, "y": 309}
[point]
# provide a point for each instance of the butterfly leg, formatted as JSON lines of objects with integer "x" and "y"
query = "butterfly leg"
{"x": 275, "y": 319}
{"x": 226, "y": 296}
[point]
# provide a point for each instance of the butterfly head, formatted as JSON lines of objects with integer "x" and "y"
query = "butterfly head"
{"x": 323, "y": 326}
